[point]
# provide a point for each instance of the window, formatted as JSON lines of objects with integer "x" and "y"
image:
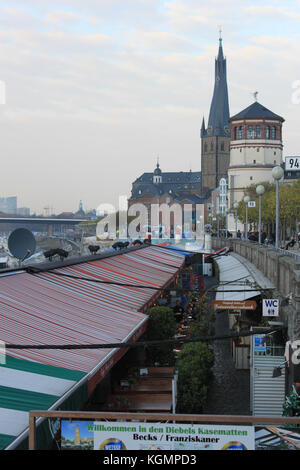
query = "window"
{"x": 254, "y": 161}
{"x": 258, "y": 132}
{"x": 235, "y": 133}
{"x": 273, "y": 133}
{"x": 211, "y": 146}
{"x": 267, "y": 132}
{"x": 274, "y": 153}
{"x": 251, "y": 178}
{"x": 257, "y": 149}
{"x": 241, "y": 132}
{"x": 205, "y": 147}
{"x": 222, "y": 146}
{"x": 250, "y": 132}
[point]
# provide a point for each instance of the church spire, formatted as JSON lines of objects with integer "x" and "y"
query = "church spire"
{"x": 203, "y": 127}
{"x": 219, "y": 109}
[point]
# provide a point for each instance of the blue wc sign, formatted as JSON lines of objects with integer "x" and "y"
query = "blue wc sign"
{"x": 270, "y": 307}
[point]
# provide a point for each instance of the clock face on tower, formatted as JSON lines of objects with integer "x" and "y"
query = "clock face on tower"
{"x": 209, "y": 130}
{"x": 226, "y": 129}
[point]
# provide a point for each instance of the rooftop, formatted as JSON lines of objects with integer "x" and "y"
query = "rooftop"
{"x": 256, "y": 111}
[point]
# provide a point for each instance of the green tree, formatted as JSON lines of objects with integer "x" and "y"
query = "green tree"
{"x": 194, "y": 373}
{"x": 161, "y": 325}
{"x": 289, "y": 206}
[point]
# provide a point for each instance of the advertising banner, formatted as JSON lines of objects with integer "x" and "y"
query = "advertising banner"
{"x": 111, "y": 436}
{"x": 233, "y": 305}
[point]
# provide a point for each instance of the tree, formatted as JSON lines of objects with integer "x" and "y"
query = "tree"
{"x": 289, "y": 206}
{"x": 194, "y": 373}
{"x": 161, "y": 325}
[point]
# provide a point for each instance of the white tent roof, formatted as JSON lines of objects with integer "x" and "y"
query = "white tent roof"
{"x": 234, "y": 275}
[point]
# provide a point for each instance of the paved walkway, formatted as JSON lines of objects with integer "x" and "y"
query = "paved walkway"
{"x": 229, "y": 391}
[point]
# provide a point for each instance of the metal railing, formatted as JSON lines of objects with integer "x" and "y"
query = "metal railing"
{"x": 294, "y": 254}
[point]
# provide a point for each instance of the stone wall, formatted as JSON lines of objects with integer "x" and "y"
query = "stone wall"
{"x": 281, "y": 269}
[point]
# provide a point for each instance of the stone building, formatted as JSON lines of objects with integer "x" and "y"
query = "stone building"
{"x": 215, "y": 138}
{"x": 167, "y": 188}
{"x": 255, "y": 148}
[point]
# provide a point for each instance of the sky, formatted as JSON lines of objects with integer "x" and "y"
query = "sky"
{"x": 94, "y": 92}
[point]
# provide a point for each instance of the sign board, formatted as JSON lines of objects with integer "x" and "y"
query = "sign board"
{"x": 112, "y": 436}
{"x": 270, "y": 307}
{"x": 233, "y": 305}
{"x": 292, "y": 163}
{"x": 251, "y": 204}
{"x": 259, "y": 343}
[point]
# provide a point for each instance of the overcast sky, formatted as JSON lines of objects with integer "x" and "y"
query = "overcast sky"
{"x": 97, "y": 89}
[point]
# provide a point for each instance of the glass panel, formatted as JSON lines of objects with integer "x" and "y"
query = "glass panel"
{"x": 250, "y": 132}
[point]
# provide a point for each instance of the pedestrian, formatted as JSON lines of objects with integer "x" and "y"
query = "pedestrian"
{"x": 183, "y": 300}
{"x": 290, "y": 244}
{"x": 178, "y": 312}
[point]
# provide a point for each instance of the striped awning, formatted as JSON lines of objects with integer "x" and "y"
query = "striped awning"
{"x": 63, "y": 306}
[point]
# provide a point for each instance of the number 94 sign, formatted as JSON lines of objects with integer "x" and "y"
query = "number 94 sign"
{"x": 292, "y": 163}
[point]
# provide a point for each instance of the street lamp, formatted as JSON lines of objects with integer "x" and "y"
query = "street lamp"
{"x": 246, "y": 200}
{"x": 260, "y": 189}
{"x": 235, "y": 205}
{"x": 277, "y": 174}
{"x": 227, "y": 212}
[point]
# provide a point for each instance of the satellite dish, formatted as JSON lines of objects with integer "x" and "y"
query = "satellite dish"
{"x": 21, "y": 243}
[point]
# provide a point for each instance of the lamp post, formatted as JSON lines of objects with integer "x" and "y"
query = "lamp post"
{"x": 246, "y": 200}
{"x": 235, "y": 205}
{"x": 277, "y": 174}
{"x": 260, "y": 189}
{"x": 227, "y": 212}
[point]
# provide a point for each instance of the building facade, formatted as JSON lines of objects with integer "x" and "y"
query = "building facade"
{"x": 168, "y": 188}
{"x": 8, "y": 205}
{"x": 255, "y": 148}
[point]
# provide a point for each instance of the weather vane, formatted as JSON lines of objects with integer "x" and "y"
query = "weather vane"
{"x": 255, "y": 95}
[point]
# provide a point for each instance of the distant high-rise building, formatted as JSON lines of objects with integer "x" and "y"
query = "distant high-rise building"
{"x": 215, "y": 139}
{"x": 8, "y": 205}
{"x": 25, "y": 211}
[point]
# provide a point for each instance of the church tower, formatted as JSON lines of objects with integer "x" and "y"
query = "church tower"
{"x": 215, "y": 139}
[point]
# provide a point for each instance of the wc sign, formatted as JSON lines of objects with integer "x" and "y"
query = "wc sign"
{"x": 270, "y": 307}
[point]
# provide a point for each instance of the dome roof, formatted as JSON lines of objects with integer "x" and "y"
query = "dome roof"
{"x": 256, "y": 111}
{"x": 157, "y": 171}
